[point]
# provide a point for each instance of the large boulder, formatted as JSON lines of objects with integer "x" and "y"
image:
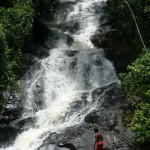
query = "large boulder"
{"x": 108, "y": 118}
{"x": 12, "y": 112}
{"x": 7, "y": 133}
{"x": 38, "y": 47}
{"x": 103, "y": 38}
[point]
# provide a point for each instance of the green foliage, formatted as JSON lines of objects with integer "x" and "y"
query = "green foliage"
{"x": 122, "y": 20}
{"x": 18, "y": 24}
{"x": 3, "y": 42}
{"x": 136, "y": 84}
{"x": 136, "y": 81}
{"x": 140, "y": 122}
{"x": 15, "y": 31}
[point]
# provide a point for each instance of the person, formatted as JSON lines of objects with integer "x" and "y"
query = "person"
{"x": 98, "y": 145}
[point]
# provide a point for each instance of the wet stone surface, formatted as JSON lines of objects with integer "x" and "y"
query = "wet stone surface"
{"x": 108, "y": 119}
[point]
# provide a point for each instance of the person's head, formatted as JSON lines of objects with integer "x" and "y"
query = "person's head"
{"x": 95, "y": 130}
{"x": 99, "y": 137}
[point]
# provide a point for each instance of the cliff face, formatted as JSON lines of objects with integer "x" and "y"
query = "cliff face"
{"x": 114, "y": 50}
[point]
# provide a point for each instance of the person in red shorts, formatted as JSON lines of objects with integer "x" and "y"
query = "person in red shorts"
{"x": 98, "y": 145}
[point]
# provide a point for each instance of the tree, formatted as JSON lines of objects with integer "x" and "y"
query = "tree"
{"x": 15, "y": 30}
{"x": 122, "y": 20}
{"x": 137, "y": 87}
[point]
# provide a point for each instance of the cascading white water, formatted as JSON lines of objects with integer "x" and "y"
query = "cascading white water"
{"x": 62, "y": 79}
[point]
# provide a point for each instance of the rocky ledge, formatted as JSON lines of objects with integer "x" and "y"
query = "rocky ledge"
{"x": 114, "y": 50}
{"x": 108, "y": 118}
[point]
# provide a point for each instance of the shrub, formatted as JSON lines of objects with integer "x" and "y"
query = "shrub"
{"x": 122, "y": 20}
{"x": 15, "y": 30}
{"x": 137, "y": 87}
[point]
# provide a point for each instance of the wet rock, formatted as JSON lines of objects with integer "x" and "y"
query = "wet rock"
{"x": 98, "y": 38}
{"x": 69, "y": 41}
{"x": 115, "y": 56}
{"x": 104, "y": 37}
{"x": 45, "y": 10}
{"x": 40, "y": 31}
{"x": 37, "y": 47}
{"x": 67, "y": 145}
{"x": 70, "y": 26}
{"x": 39, "y": 50}
{"x": 22, "y": 123}
{"x": 92, "y": 118}
{"x": 11, "y": 112}
{"x": 104, "y": 22}
{"x": 112, "y": 91}
{"x": 28, "y": 60}
{"x": 7, "y": 133}
{"x": 71, "y": 53}
{"x": 109, "y": 121}
{"x": 107, "y": 118}
{"x": 98, "y": 7}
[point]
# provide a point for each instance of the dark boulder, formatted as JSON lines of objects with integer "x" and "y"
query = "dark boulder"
{"x": 23, "y": 123}
{"x": 38, "y": 47}
{"x": 108, "y": 118}
{"x": 104, "y": 22}
{"x": 10, "y": 113}
{"x": 98, "y": 38}
{"x": 67, "y": 145}
{"x": 70, "y": 26}
{"x": 104, "y": 38}
{"x": 7, "y": 133}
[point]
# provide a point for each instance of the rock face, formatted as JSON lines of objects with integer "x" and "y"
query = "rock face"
{"x": 104, "y": 37}
{"x": 7, "y": 134}
{"x": 107, "y": 118}
{"x": 12, "y": 111}
{"x": 38, "y": 47}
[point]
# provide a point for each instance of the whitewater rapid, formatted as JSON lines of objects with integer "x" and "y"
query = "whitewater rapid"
{"x": 60, "y": 80}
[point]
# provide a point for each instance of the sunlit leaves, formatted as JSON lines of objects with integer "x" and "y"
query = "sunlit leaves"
{"x": 140, "y": 122}
{"x": 15, "y": 30}
{"x": 137, "y": 86}
{"x": 18, "y": 23}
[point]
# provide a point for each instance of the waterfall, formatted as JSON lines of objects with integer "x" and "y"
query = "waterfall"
{"x": 61, "y": 79}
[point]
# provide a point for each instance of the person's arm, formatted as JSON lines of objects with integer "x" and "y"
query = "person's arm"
{"x": 95, "y": 148}
{"x": 95, "y": 141}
